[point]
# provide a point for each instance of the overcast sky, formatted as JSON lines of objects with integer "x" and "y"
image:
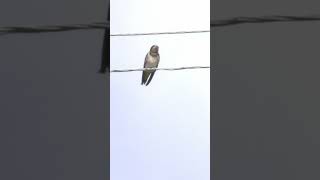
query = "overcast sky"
{"x": 160, "y": 131}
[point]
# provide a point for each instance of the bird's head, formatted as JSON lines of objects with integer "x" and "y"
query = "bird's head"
{"x": 154, "y": 49}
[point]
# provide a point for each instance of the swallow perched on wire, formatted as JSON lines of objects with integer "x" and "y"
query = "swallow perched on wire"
{"x": 151, "y": 61}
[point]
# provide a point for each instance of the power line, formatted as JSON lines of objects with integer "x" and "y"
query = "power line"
{"x": 96, "y": 25}
{"x": 262, "y": 19}
{"x": 53, "y": 28}
{"x": 160, "y": 33}
{"x": 72, "y": 27}
{"x": 159, "y": 69}
{"x": 104, "y": 25}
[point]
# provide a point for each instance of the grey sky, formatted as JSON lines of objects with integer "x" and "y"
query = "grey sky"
{"x": 53, "y": 106}
{"x": 160, "y": 131}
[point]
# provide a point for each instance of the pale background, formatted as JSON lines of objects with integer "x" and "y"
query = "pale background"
{"x": 160, "y": 131}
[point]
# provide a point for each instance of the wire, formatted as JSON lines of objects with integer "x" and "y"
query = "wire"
{"x": 97, "y": 25}
{"x": 262, "y": 19}
{"x": 55, "y": 28}
{"x": 160, "y": 33}
{"x": 103, "y": 25}
{"x": 159, "y": 69}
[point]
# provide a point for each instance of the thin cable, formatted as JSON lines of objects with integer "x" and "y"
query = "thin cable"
{"x": 97, "y": 25}
{"x": 55, "y": 28}
{"x": 103, "y": 25}
{"x": 262, "y": 19}
{"x": 160, "y": 33}
{"x": 159, "y": 69}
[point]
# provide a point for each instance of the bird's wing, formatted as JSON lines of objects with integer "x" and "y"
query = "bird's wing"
{"x": 152, "y": 74}
{"x": 145, "y": 61}
{"x": 144, "y": 73}
{"x": 150, "y": 78}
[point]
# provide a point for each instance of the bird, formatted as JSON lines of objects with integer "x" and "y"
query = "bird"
{"x": 151, "y": 60}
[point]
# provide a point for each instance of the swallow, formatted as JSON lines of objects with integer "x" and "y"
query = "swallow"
{"x": 151, "y": 61}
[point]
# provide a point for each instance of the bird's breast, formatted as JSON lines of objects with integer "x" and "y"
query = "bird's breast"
{"x": 152, "y": 61}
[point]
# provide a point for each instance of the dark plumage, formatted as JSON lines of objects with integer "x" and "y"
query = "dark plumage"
{"x": 151, "y": 61}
